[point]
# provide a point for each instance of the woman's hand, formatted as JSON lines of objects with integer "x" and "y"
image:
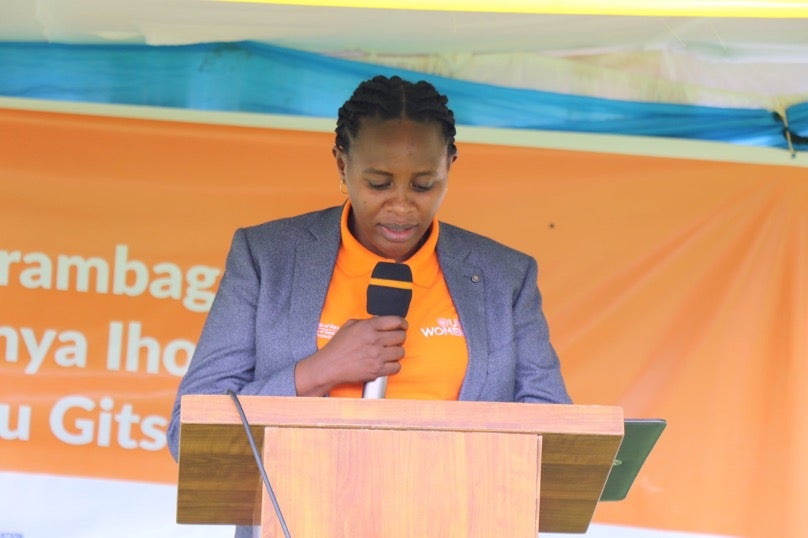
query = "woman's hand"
{"x": 360, "y": 351}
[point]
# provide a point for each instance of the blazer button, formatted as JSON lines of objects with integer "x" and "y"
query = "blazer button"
{"x": 475, "y": 278}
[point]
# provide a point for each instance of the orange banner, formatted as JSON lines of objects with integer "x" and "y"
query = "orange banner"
{"x": 674, "y": 288}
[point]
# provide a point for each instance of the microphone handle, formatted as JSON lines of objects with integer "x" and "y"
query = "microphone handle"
{"x": 375, "y": 389}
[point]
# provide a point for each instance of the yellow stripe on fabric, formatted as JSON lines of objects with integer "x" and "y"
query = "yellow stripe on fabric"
{"x": 391, "y": 283}
{"x": 656, "y": 8}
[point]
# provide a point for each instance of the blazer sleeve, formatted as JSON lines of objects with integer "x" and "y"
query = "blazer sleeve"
{"x": 225, "y": 355}
{"x": 538, "y": 371}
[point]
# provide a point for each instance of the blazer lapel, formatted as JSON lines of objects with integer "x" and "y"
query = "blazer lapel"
{"x": 467, "y": 288}
{"x": 315, "y": 257}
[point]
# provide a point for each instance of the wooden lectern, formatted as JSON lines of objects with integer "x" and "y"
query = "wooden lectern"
{"x": 395, "y": 468}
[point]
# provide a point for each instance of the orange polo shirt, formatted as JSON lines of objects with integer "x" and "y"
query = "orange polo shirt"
{"x": 435, "y": 352}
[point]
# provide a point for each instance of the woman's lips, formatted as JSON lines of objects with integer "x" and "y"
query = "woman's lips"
{"x": 398, "y": 233}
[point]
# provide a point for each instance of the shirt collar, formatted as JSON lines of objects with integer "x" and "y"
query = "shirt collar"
{"x": 424, "y": 263}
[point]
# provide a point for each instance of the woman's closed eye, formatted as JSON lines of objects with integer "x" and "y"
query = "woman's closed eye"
{"x": 419, "y": 186}
{"x": 423, "y": 187}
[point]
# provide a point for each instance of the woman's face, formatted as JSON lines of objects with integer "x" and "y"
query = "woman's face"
{"x": 397, "y": 173}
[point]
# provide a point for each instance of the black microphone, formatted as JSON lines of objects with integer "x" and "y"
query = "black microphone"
{"x": 389, "y": 294}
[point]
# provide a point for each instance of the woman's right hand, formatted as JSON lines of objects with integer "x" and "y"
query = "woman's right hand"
{"x": 360, "y": 351}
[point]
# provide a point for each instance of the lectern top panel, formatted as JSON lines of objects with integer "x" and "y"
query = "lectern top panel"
{"x": 219, "y": 482}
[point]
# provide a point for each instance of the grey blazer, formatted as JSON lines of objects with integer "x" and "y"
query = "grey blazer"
{"x": 265, "y": 315}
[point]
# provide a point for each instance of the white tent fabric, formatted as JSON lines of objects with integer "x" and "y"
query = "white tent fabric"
{"x": 667, "y": 76}
{"x": 715, "y": 61}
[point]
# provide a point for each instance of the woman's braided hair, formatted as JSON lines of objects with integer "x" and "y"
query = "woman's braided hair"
{"x": 390, "y": 98}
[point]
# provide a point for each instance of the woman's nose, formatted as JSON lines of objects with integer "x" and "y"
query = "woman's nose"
{"x": 400, "y": 199}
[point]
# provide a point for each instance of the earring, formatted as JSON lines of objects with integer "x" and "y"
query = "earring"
{"x": 343, "y": 188}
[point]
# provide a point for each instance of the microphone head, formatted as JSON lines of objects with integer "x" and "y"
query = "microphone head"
{"x": 390, "y": 289}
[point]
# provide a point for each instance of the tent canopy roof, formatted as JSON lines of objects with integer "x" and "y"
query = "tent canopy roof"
{"x": 330, "y": 29}
{"x": 721, "y": 53}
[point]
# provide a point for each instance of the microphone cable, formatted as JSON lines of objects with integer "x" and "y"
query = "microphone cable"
{"x": 259, "y": 462}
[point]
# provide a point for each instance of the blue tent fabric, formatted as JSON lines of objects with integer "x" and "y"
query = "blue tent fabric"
{"x": 261, "y": 78}
{"x": 796, "y": 123}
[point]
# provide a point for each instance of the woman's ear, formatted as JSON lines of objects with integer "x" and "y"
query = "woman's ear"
{"x": 340, "y": 157}
{"x": 452, "y": 159}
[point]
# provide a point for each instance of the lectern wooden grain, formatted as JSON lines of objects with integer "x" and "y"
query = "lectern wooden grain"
{"x": 395, "y": 468}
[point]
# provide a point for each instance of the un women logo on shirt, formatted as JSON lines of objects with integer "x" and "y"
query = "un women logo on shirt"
{"x": 443, "y": 327}
{"x": 327, "y": 330}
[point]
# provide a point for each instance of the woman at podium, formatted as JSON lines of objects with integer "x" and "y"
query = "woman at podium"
{"x": 293, "y": 315}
